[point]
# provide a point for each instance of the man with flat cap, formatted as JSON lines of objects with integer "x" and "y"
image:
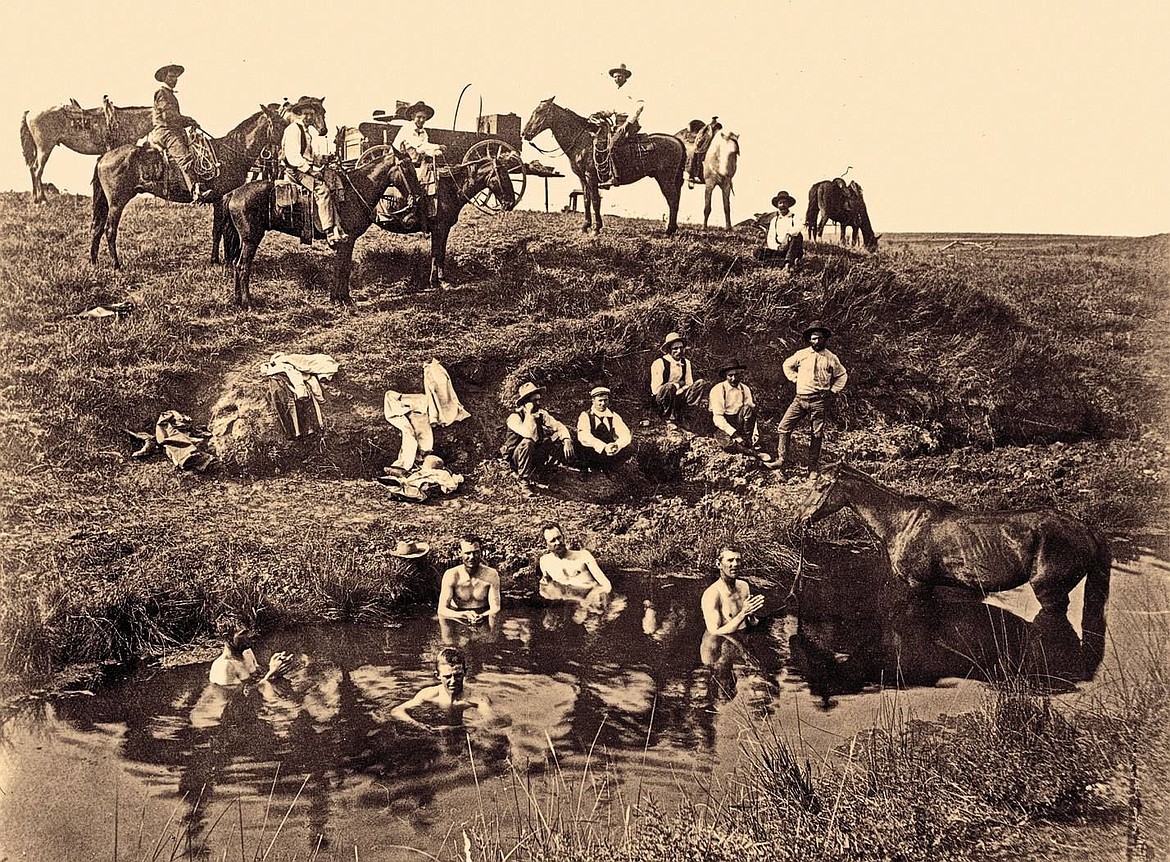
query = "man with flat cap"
{"x": 603, "y": 438}
{"x": 672, "y": 381}
{"x": 819, "y": 376}
{"x": 168, "y": 129}
{"x": 733, "y": 410}
{"x": 534, "y": 437}
{"x": 785, "y": 239}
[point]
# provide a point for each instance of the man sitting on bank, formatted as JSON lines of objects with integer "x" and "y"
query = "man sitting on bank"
{"x": 785, "y": 239}
{"x": 672, "y": 382}
{"x": 469, "y": 592}
{"x": 603, "y": 438}
{"x": 733, "y": 411}
{"x": 534, "y": 437}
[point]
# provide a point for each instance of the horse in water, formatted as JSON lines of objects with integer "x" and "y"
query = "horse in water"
{"x": 129, "y": 170}
{"x": 929, "y": 542}
{"x": 89, "y": 131}
{"x": 834, "y": 200}
{"x": 660, "y": 156}
{"x": 718, "y": 169}
{"x": 251, "y": 211}
{"x": 458, "y": 185}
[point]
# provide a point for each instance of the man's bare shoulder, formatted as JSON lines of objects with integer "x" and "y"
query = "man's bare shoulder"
{"x": 487, "y": 573}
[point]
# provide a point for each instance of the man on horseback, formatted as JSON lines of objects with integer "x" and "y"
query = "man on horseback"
{"x": 300, "y": 166}
{"x": 617, "y": 122}
{"x": 169, "y": 126}
{"x": 414, "y": 141}
{"x": 819, "y": 376}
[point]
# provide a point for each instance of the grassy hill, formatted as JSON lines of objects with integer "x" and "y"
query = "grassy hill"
{"x": 1017, "y": 372}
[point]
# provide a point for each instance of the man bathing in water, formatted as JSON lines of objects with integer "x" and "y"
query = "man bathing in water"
{"x": 449, "y": 694}
{"x": 566, "y": 574}
{"x": 469, "y": 592}
{"x": 728, "y": 605}
{"x": 237, "y": 663}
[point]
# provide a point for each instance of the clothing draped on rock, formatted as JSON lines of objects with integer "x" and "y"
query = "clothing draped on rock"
{"x": 175, "y": 434}
{"x": 414, "y": 413}
{"x": 295, "y": 393}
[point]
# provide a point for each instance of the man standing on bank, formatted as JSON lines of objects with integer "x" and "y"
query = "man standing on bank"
{"x": 819, "y": 376}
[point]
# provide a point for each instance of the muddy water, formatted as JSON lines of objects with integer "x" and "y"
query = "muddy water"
{"x": 163, "y": 761}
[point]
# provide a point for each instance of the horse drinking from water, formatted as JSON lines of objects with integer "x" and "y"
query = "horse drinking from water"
{"x": 834, "y": 200}
{"x": 930, "y": 542}
{"x": 89, "y": 131}
{"x": 129, "y": 170}
{"x": 252, "y": 214}
{"x": 660, "y": 156}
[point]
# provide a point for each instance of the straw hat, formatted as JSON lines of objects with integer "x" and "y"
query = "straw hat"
{"x": 599, "y": 390}
{"x": 671, "y": 338}
{"x": 817, "y": 326}
{"x": 783, "y": 199}
{"x": 527, "y": 390}
{"x": 620, "y": 70}
{"x": 433, "y": 462}
{"x": 731, "y": 365}
{"x": 166, "y": 70}
{"x": 410, "y": 550}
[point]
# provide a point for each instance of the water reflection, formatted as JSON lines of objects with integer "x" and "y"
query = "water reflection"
{"x": 641, "y": 681}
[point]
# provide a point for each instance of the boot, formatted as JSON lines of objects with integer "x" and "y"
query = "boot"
{"x": 814, "y": 456}
{"x": 783, "y": 452}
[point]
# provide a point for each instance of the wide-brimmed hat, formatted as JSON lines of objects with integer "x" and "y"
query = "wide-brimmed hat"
{"x": 671, "y": 338}
{"x": 433, "y": 462}
{"x": 527, "y": 390}
{"x": 620, "y": 70}
{"x": 599, "y": 390}
{"x": 783, "y": 199}
{"x": 816, "y": 326}
{"x": 410, "y": 550}
{"x": 732, "y": 364}
{"x": 166, "y": 70}
{"x": 305, "y": 102}
{"x": 409, "y": 111}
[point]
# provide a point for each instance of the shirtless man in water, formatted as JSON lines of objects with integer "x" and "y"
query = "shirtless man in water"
{"x": 470, "y": 592}
{"x": 728, "y": 605}
{"x": 566, "y": 574}
{"x": 237, "y": 663}
{"x": 448, "y": 694}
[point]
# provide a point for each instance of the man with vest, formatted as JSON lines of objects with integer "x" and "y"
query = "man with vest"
{"x": 672, "y": 383}
{"x": 733, "y": 410}
{"x": 819, "y": 376}
{"x": 300, "y": 166}
{"x": 169, "y": 129}
{"x": 534, "y": 437}
{"x": 603, "y": 438}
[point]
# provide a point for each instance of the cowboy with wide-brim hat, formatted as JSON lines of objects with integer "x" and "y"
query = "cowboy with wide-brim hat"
{"x": 165, "y": 71}
{"x": 672, "y": 338}
{"x": 526, "y": 391}
{"x": 620, "y": 71}
{"x": 817, "y": 326}
{"x": 783, "y": 200}
{"x": 420, "y": 107}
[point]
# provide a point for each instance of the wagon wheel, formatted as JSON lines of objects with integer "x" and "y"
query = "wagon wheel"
{"x": 497, "y": 150}
{"x": 373, "y": 154}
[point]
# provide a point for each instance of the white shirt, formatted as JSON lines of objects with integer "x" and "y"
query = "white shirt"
{"x": 678, "y": 373}
{"x": 814, "y": 372}
{"x": 622, "y": 436}
{"x": 296, "y": 146}
{"x": 412, "y": 137}
{"x": 780, "y": 228}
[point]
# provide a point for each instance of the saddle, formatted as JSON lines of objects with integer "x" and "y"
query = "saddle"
{"x": 296, "y": 206}
{"x": 155, "y": 164}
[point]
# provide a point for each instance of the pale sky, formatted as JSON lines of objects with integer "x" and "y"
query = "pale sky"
{"x": 1038, "y": 117}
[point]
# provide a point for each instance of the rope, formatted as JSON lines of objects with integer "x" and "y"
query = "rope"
{"x": 203, "y": 159}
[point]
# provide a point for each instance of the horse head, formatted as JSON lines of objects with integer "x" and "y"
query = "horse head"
{"x": 824, "y": 498}
{"x": 499, "y": 182}
{"x": 538, "y": 122}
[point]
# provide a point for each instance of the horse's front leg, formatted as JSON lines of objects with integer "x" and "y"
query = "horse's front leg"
{"x": 438, "y": 255}
{"x": 244, "y": 273}
{"x": 113, "y": 219}
{"x": 726, "y": 188}
{"x": 340, "y": 291}
{"x": 597, "y": 209}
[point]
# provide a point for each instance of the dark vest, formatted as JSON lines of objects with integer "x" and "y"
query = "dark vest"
{"x": 601, "y": 429}
{"x": 666, "y": 370}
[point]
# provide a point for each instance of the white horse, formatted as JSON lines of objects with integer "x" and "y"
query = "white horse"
{"x": 718, "y": 168}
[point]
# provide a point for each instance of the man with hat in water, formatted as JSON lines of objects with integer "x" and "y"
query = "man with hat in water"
{"x": 169, "y": 126}
{"x": 784, "y": 238}
{"x": 300, "y": 166}
{"x": 819, "y": 376}
{"x": 414, "y": 141}
{"x": 733, "y": 410}
{"x": 603, "y": 437}
{"x": 534, "y": 437}
{"x": 672, "y": 383}
{"x": 623, "y": 118}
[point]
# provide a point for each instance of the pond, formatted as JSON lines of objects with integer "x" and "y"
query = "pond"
{"x": 615, "y": 709}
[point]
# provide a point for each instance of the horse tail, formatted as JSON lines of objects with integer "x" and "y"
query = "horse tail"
{"x": 101, "y": 205}
{"x": 27, "y": 144}
{"x": 810, "y": 213}
{"x": 1093, "y": 613}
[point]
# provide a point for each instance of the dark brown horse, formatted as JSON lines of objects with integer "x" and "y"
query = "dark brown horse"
{"x": 833, "y": 200}
{"x": 930, "y": 542}
{"x": 250, "y": 211}
{"x": 89, "y": 131}
{"x": 457, "y": 186}
{"x": 660, "y": 156}
{"x": 126, "y": 171}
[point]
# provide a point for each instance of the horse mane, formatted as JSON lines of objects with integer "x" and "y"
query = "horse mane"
{"x": 934, "y": 502}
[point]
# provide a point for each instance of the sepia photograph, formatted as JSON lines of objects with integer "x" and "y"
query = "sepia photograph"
{"x": 517, "y": 432}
